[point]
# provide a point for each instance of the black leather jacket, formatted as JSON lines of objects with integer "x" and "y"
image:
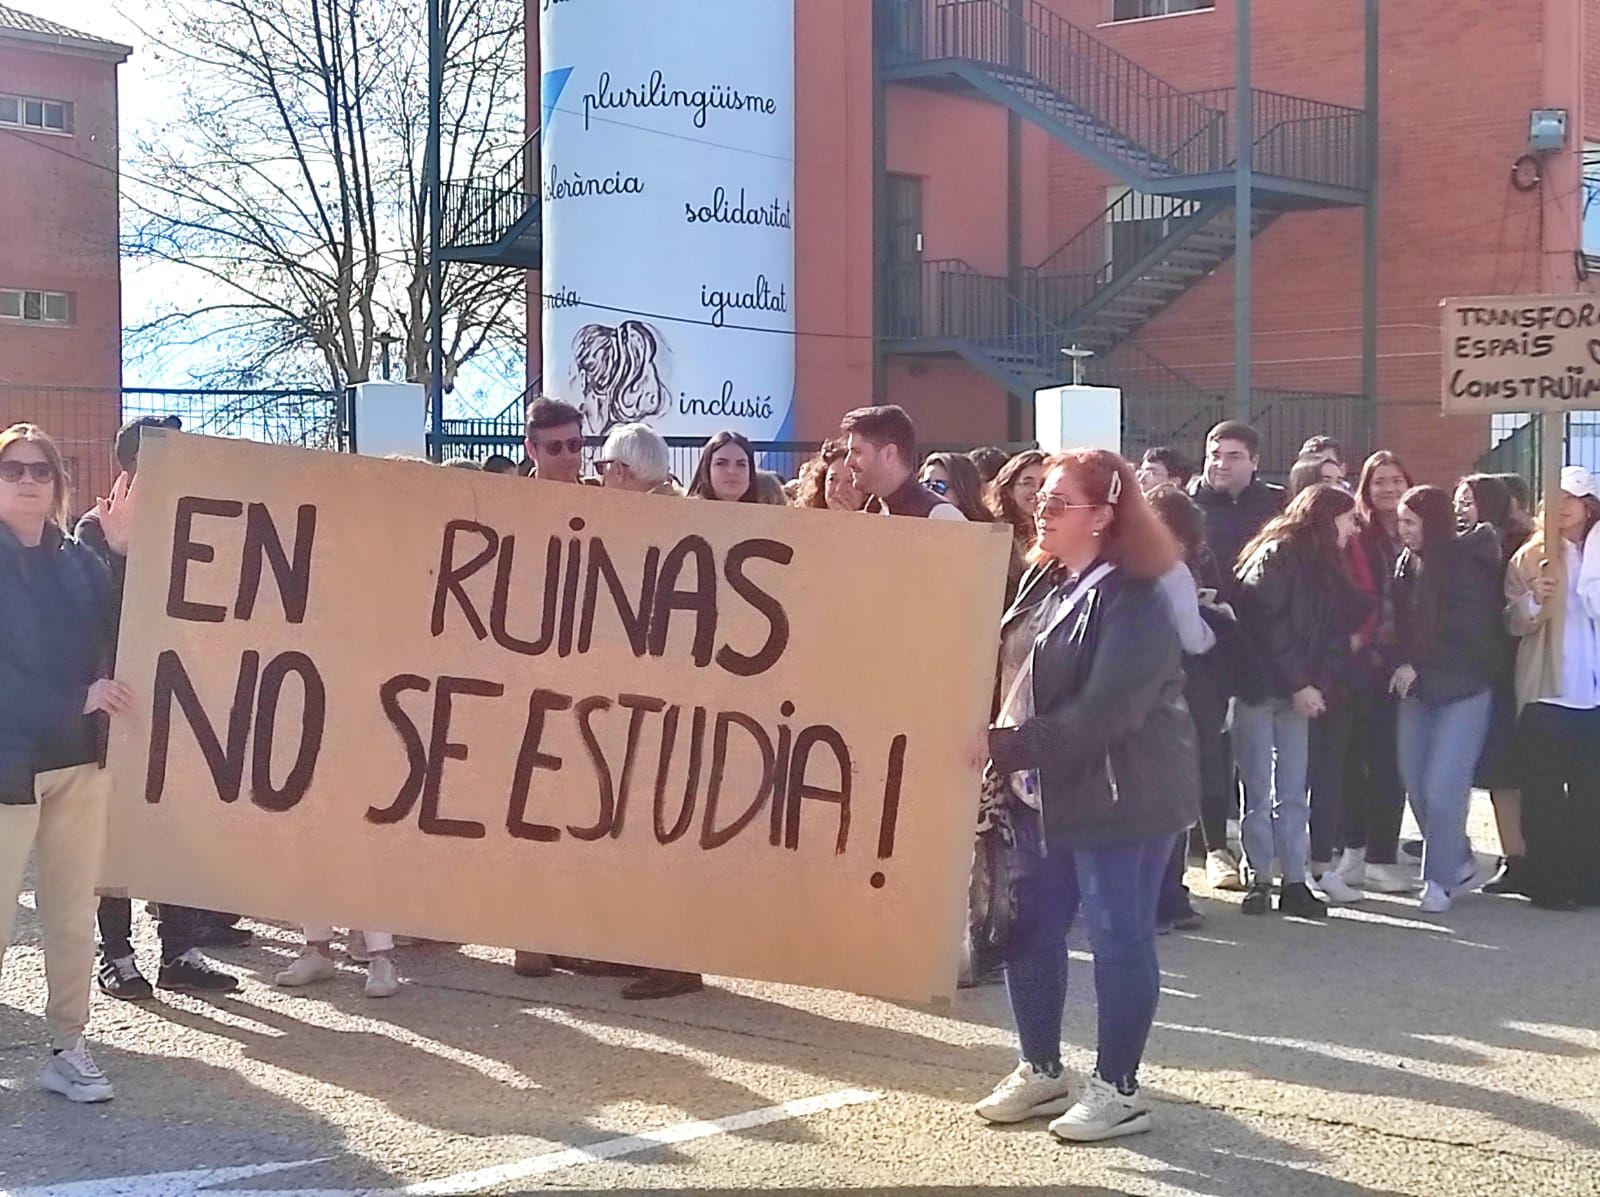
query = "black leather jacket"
{"x": 1111, "y": 735}
{"x": 1297, "y": 614}
{"x": 1469, "y": 648}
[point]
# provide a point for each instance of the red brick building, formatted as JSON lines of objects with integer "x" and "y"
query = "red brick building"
{"x": 982, "y": 183}
{"x": 60, "y": 282}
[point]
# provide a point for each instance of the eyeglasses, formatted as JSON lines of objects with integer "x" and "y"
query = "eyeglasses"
{"x": 938, "y": 486}
{"x": 1054, "y": 505}
{"x": 37, "y": 471}
{"x": 572, "y": 445}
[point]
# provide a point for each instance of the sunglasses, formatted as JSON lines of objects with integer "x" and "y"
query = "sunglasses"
{"x": 1049, "y": 505}
{"x": 573, "y": 445}
{"x": 938, "y": 486}
{"x": 37, "y": 471}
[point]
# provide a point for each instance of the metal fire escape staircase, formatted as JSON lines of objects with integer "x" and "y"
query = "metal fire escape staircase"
{"x": 496, "y": 222}
{"x": 1174, "y": 150}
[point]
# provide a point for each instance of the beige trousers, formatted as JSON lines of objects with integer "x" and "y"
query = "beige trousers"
{"x": 68, "y": 824}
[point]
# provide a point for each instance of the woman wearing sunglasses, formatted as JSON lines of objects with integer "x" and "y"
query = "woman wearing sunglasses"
{"x": 1103, "y": 769}
{"x": 955, "y": 479}
{"x": 55, "y": 630}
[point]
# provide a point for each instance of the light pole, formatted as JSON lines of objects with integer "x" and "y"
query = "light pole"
{"x": 438, "y": 13}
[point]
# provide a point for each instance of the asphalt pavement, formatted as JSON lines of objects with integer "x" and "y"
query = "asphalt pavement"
{"x": 1383, "y": 1051}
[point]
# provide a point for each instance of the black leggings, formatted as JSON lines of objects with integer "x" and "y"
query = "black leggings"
{"x": 1219, "y": 796}
{"x": 1329, "y": 748}
{"x": 1375, "y": 797}
{"x": 1561, "y": 802}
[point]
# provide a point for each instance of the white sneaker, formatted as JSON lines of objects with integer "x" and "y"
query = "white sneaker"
{"x": 1026, "y": 1093}
{"x": 382, "y": 980}
{"x": 1336, "y": 891}
{"x": 1390, "y": 879}
{"x": 1222, "y": 871}
{"x": 1103, "y": 1113}
{"x": 74, "y": 1074}
{"x": 1353, "y": 867}
{"x": 308, "y": 968}
{"x": 1435, "y": 899}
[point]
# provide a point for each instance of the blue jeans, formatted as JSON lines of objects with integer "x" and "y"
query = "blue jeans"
{"x": 1439, "y": 749}
{"x": 1116, "y": 885}
{"x": 1270, "y": 744}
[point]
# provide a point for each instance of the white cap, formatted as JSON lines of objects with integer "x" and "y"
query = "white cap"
{"x": 1579, "y": 482}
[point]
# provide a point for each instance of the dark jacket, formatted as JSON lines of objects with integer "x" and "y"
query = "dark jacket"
{"x": 1297, "y": 614}
{"x": 1110, "y": 736}
{"x": 911, "y": 499}
{"x": 55, "y": 628}
{"x": 1469, "y": 649}
{"x": 1231, "y": 523}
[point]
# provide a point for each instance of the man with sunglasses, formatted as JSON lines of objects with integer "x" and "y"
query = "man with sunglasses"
{"x": 555, "y": 440}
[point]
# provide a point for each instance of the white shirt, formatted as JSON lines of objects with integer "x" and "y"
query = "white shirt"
{"x": 1580, "y": 648}
{"x": 947, "y": 511}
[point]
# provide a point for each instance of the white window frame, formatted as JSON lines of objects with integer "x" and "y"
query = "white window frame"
{"x": 14, "y": 305}
{"x": 62, "y": 109}
{"x": 1161, "y": 8}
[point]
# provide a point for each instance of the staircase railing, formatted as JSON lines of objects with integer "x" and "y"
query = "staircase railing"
{"x": 1295, "y": 138}
{"x": 949, "y": 299}
{"x": 1126, "y": 109}
{"x": 484, "y": 212}
{"x": 1088, "y": 261}
{"x": 1029, "y": 40}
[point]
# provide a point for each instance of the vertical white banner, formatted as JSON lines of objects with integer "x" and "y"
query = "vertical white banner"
{"x": 668, "y": 194}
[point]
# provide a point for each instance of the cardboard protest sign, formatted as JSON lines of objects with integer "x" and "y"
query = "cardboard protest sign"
{"x": 719, "y": 737}
{"x": 1521, "y": 353}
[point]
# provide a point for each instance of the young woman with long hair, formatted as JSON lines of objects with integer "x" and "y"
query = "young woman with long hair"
{"x": 1486, "y": 499}
{"x": 1374, "y": 795}
{"x": 1297, "y": 610}
{"x": 1191, "y": 589}
{"x": 1100, "y": 753}
{"x": 1012, "y": 498}
{"x": 1553, "y": 606}
{"x": 726, "y": 471}
{"x": 1447, "y": 608}
{"x": 825, "y": 481}
{"x": 55, "y": 696}
{"x": 954, "y": 478}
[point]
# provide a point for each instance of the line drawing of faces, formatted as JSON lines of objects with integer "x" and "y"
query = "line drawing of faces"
{"x": 619, "y": 373}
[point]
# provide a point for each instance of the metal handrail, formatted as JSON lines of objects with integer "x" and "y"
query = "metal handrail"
{"x": 484, "y": 213}
{"x": 1127, "y": 110}
{"x": 1136, "y": 112}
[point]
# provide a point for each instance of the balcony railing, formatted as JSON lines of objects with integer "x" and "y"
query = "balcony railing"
{"x": 485, "y": 212}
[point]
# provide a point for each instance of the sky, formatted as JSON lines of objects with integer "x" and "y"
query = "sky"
{"x": 145, "y": 98}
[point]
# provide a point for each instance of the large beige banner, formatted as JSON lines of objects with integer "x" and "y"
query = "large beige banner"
{"x": 1521, "y": 353}
{"x": 718, "y": 737}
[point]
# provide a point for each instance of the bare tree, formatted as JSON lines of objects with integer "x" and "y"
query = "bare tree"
{"x": 291, "y": 192}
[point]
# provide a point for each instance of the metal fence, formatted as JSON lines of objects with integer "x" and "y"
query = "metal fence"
{"x": 1519, "y": 445}
{"x": 84, "y": 420}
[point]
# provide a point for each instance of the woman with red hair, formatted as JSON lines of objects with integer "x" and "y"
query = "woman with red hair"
{"x": 1099, "y": 751}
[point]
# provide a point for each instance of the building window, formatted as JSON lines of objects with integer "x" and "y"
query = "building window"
{"x": 1133, "y": 10}
{"x": 42, "y": 307}
{"x": 30, "y": 112}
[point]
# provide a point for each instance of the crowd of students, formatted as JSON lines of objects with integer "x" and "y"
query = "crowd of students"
{"x": 1182, "y": 655}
